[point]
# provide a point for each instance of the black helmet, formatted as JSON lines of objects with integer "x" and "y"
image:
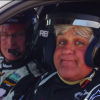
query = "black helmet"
{"x": 30, "y": 20}
{"x": 82, "y": 14}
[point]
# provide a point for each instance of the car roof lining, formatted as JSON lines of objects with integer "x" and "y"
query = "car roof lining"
{"x": 24, "y": 6}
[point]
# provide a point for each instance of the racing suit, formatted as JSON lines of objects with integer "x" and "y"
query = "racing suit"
{"x": 51, "y": 87}
{"x": 17, "y": 78}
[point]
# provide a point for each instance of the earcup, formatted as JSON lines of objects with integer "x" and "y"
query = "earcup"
{"x": 89, "y": 58}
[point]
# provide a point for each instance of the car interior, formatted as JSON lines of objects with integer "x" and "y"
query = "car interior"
{"x": 46, "y": 40}
{"x": 45, "y": 46}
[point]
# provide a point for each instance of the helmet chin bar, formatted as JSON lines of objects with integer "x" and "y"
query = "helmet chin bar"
{"x": 14, "y": 52}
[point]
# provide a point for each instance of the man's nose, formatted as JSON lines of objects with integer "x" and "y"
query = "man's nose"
{"x": 68, "y": 48}
{"x": 11, "y": 40}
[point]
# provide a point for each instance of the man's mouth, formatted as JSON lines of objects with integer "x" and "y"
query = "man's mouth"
{"x": 68, "y": 61}
{"x": 68, "y": 58}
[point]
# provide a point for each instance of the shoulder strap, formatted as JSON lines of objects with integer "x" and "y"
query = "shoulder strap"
{"x": 46, "y": 79}
{"x": 43, "y": 80}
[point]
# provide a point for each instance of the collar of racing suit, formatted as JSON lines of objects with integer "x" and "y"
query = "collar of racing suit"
{"x": 82, "y": 81}
{"x": 15, "y": 65}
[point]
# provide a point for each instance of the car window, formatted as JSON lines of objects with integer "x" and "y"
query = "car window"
{"x": 3, "y": 3}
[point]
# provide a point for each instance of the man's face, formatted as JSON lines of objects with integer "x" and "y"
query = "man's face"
{"x": 14, "y": 38}
{"x": 69, "y": 56}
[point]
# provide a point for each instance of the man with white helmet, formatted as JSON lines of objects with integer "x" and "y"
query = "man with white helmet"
{"x": 18, "y": 70}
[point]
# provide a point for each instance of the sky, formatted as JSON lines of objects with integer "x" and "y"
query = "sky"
{"x": 3, "y": 2}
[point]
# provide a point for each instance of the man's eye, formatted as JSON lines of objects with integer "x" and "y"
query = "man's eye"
{"x": 78, "y": 43}
{"x": 3, "y": 34}
{"x": 62, "y": 42}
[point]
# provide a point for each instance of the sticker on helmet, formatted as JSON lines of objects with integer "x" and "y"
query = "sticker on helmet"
{"x": 12, "y": 20}
{"x": 6, "y": 27}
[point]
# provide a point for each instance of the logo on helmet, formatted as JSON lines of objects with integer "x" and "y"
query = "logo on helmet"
{"x": 12, "y": 20}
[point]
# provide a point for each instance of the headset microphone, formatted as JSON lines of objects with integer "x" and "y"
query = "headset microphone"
{"x": 14, "y": 52}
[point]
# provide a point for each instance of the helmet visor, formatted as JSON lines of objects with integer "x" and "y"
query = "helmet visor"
{"x": 73, "y": 19}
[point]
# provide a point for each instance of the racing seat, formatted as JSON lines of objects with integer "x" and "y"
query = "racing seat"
{"x": 42, "y": 39}
{"x": 45, "y": 47}
{"x": 44, "y": 36}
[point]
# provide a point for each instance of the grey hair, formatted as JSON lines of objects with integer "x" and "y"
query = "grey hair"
{"x": 77, "y": 30}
